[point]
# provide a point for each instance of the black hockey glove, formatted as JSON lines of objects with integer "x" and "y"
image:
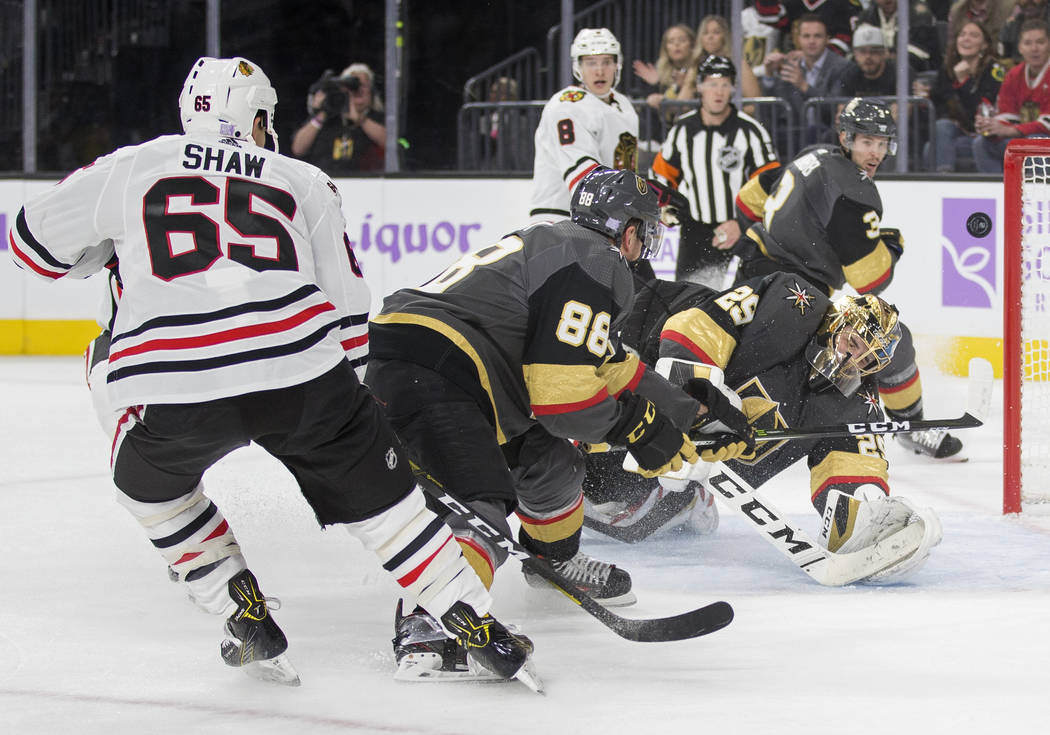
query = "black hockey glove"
{"x": 892, "y": 239}
{"x": 740, "y": 442}
{"x": 655, "y": 443}
{"x": 671, "y": 203}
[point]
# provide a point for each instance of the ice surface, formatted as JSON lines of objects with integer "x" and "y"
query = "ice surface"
{"x": 95, "y": 639}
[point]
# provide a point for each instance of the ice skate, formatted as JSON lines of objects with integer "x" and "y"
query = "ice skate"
{"x": 935, "y": 443}
{"x": 255, "y": 642}
{"x": 424, "y": 652}
{"x": 606, "y": 583}
{"x": 493, "y": 646}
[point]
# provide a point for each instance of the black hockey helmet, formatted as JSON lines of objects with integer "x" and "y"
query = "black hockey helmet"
{"x": 608, "y": 199}
{"x": 868, "y": 117}
{"x": 716, "y": 66}
{"x": 857, "y": 337}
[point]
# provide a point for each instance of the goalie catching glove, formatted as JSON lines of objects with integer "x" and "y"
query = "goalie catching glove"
{"x": 671, "y": 202}
{"x": 721, "y": 416}
{"x": 654, "y": 441}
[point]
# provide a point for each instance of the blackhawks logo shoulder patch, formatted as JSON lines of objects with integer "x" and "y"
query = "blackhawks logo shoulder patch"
{"x": 571, "y": 95}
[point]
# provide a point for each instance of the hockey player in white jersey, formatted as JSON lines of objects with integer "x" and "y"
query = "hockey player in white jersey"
{"x": 241, "y": 317}
{"x": 583, "y": 126}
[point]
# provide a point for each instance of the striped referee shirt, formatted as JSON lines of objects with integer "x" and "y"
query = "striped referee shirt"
{"x": 709, "y": 163}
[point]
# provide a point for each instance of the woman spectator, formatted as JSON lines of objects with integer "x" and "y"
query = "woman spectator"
{"x": 674, "y": 74}
{"x": 713, "y": 39}
{"x": 969, "y": 76}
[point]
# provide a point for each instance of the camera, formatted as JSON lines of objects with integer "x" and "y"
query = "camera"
{"x": 335, "y": 93}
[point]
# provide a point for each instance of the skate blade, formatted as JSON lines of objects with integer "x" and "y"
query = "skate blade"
{"x": 276, "y": 670}
{"x": 527, "y": 676}
{"x": 413, "y": 672}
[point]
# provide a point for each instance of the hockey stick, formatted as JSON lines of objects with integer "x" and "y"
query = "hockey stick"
{"x": 966, "y": 421}
{"x": 826, "y": 567}
{"x": 692, "y": 624}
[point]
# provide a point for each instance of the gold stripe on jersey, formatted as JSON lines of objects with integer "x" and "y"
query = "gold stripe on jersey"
{"x": 753, "y": 233}
{"x": 478, "y": 560}
{"x": 697, "y": 332}
{"x": 459, "y": 341}
{"x": 555, "y": 389}
{"x": 622, "y": 374}
{"x": 848, "y": 469}
{"x": 900, "y": 397}
{"x": 558, "y": 528}
{"x": 871, "y": 271}
{"x": 752, "y": 198}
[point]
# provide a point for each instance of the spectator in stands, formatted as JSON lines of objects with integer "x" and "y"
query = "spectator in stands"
{"x": 969, "y": 76}
{"x": 707, "y": 157}
{"x": 1024, "y": 100}
{"x": 992, "y": 14}
{"x": 923, "y": 53}
{"x": 869, "y": 74}
{"x": 674, "y": 75}
{"x": 811, "y": 71}
{"x": 346, "y": 132}
{"x": 504, "y": 130}
{"x": 760, "y": 40}
{"x": 838, "y": 16}
{"x": 1024, "y": 10}
{"x": 713, "y": 39}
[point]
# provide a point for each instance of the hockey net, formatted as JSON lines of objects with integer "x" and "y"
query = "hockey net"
{"x": 1026, "y": 326}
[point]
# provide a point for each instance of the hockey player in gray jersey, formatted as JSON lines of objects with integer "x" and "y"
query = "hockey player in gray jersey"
{"x": 792, "y": 357}
{"x": 820, "y": 216}
{"x": 488, "y": 369}
{"x": 241, "y": 316}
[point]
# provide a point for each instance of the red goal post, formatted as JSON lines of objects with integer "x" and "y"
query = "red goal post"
{"x": 1026, "y": 324}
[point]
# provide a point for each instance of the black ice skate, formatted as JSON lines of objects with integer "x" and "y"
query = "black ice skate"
{"x": 935, "y": 443}
{"x": 488, "y": 642}
{"x": 255, "y": 641}
{"x": 606, "y": 583}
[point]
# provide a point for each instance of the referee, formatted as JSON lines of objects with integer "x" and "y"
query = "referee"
{"x": 708, "y": 155}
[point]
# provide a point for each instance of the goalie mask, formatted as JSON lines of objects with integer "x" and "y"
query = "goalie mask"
{"x": 867, "y": 117}
{"x": 608, "y": 199}
{"x": 223, "y": 96}
{"x": 858, "y": 337}
{"x": 593, "y": 42}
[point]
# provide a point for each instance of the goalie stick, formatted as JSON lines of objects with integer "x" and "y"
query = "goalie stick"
{"x": 826, "y": 567}
{"x": 698, "y": 622}
{"x": 966, "y": 421}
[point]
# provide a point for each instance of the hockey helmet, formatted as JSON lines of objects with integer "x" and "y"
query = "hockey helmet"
{"x": 868, "y": 117}
{"x": 716, "y": 66}
{"x": 607, "y": 199}
{"x": 593, "y": 42}
{"x": 224, "y": 95}
{"x": 857, "y": 337}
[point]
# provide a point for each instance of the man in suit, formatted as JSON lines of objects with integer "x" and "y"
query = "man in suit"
{"x": 807, "y": 72}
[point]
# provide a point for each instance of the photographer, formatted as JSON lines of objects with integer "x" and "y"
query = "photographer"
{"x": 345, "y": 132}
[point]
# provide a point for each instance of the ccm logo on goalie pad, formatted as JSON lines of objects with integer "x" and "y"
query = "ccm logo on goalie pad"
{"x": 879, "y": 427}
{"x": 759, "y": 514}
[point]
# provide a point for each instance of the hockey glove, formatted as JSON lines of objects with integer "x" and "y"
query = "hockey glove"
{"x": 740, "y": 442}
{"x": 670, "y": 203}
{"x": 892, "y": 239}
{"x": 656, "y": 444}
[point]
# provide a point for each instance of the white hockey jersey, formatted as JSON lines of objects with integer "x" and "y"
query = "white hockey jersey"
{"x": 577, "y": 132}
{"x": 237, "y": 274}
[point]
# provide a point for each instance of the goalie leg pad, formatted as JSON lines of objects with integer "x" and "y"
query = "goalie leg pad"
{"x": 932, "y": 535}
{"x": 194, "y": 538}
{"x": 419, "y": 550}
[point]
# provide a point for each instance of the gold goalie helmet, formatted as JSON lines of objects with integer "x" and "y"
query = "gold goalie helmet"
{"x": 858, "y": 337}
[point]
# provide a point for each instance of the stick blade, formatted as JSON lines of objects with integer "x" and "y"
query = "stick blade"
{"x": 692, "y": 624}
{"x": 982, "y": 380}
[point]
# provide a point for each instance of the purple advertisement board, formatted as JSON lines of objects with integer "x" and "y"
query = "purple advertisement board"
{"x": 968, "y": 257}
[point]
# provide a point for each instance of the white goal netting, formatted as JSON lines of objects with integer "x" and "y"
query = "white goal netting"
{"x": 1033, "y": 339}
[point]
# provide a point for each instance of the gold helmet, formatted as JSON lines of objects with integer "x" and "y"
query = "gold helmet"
{"x": 858, "y": 337}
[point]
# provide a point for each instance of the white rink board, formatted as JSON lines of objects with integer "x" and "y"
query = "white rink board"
{"x": 406, "y": 230}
